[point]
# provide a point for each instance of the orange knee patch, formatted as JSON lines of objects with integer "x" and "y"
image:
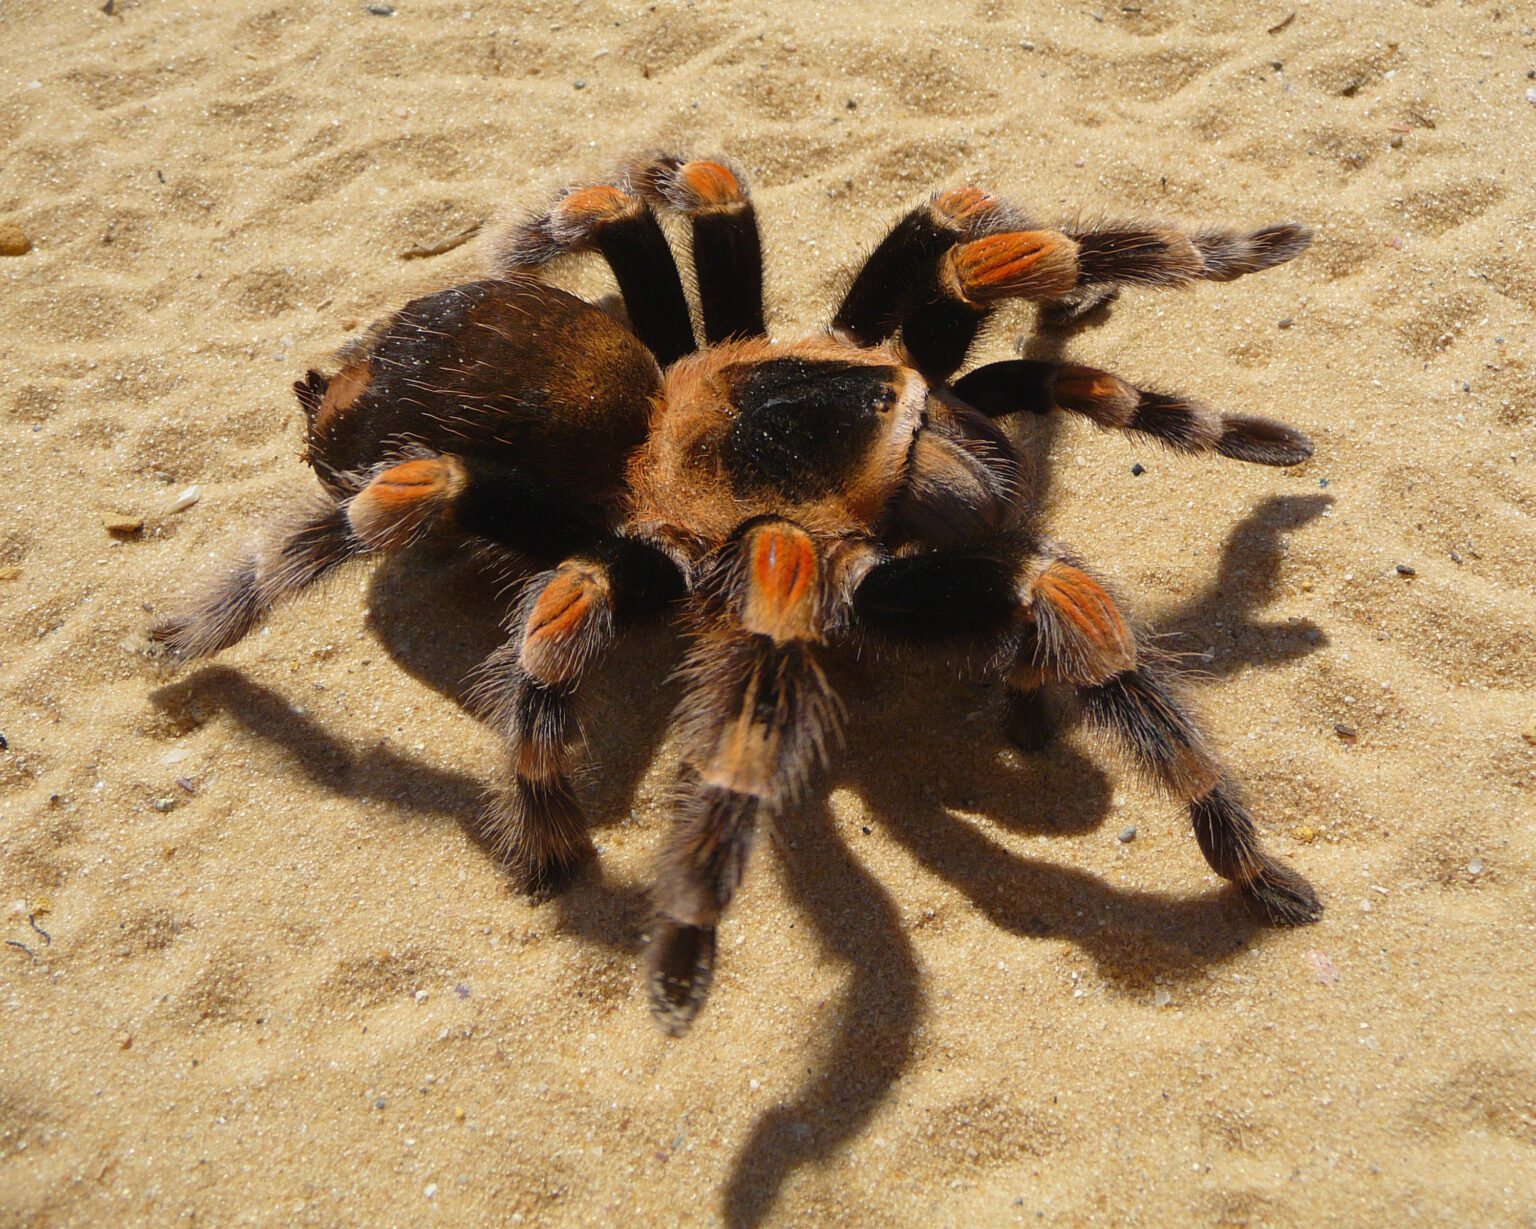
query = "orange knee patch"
{"x": 562, "y": 625}
{"x": 403, "y": 500}
{"x": 1031, "y": 264}
{"x": 586, "y": 209}
{"x": 711, "y": 185}
{"x": 1081, "y": 630}
{"x": 783, "y": 583}
{"x": 1106, "y": 399}
{"x": 961, "y": 205}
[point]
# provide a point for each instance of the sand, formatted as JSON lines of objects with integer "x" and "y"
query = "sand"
{"x": 260, "y": 972}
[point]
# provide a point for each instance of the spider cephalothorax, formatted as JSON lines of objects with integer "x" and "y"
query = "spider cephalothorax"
{"x": 785, "y": 497}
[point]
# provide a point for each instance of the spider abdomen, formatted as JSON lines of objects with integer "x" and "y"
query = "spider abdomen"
{"x": 516, "y": 372}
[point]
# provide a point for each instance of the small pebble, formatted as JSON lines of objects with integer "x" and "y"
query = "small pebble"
{"x": 164, "y": 804}
{"x": 188, "y": 784}
{"x": 1161, "y": 999}
{"x": 176, "y": 755}
{"x": 581, "y": 85}
{"x": 186, "y": 499}
{"x": 1527, "y": 732}
{"x": 865, "y": 829}
{"x": 1397, "y": 141}
{"x": 1345, "y": 732}
{"x": 1475, "y": 867}
{"x": 379, "y": 9}
{"x": 1406, "y": 569}
{"x": 13, "y": 242}
{"x": 1138, "y": 470}
{"x": 421, "y": 996}
{"x": 1127, "y": 834}
{"x": 125, "y": 1041}
{"x": 1323, "y": 967}
{"x": 379, "y": 1104}
{"x": 1286, "y": 323}
{"x": 431, "y": 1190}
{"x": 4, "y": 743}
{"x": 124, "y": 526}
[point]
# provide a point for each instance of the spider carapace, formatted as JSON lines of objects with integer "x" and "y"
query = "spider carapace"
{"x": 783, "y": 498}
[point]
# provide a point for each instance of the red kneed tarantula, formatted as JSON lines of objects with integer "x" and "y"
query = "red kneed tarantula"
{"x": 783, "y": 496}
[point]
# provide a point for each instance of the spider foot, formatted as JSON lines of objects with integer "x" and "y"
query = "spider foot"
{"x": 682, "y": 965}
{"x": 552, "y": 879}
{"x": 1281, "y": 896}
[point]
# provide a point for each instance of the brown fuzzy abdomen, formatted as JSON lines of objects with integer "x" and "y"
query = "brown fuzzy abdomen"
{"x": 510, "y": 369}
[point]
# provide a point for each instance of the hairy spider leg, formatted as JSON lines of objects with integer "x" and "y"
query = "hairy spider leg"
{"x": 566, "y": 620}
{"x": 1141, "y": 708}
{"x": 291, "y": 554}
{"x": 755, "y": 719}
{"x": 726, "y": 247}
{"x": 399, "y": 505}
{"x": 943, "y": 268}
{"x": 1178, "y": 423}
{"x": 617, "y": 223}
{"x": 895, "y": 277}
{"x": 1047, "y": 620}
{"x": 1120, "y": 254}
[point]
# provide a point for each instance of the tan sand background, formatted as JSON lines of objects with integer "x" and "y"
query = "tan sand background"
{"x": 281, "y": 983}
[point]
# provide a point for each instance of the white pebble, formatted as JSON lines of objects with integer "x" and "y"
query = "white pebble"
{"x": 176, "y": 756}
{"x": 421, "y": 996}
{"x": 1161, "y": 999}
{"x": 186, "y": 499}
{"x": 431, "y": 1190}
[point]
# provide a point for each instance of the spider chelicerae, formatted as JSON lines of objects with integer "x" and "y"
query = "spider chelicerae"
{"x": 784, "y": 498}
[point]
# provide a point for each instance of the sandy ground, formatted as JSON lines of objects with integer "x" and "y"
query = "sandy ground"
{"x": 260, "y": 972}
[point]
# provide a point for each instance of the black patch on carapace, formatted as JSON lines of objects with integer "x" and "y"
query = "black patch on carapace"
{"x": 311, "y": 392}
{"x": 802, "y": 425}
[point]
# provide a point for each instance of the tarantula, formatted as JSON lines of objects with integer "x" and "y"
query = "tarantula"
{"x": 783, "y": 496}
